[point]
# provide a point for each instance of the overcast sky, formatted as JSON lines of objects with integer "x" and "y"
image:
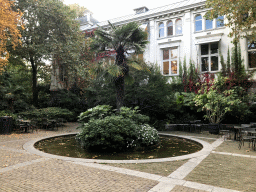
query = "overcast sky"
{"x": 108, "y": 9}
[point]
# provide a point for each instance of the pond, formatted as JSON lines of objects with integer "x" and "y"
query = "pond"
{"x": 68, "y": 146}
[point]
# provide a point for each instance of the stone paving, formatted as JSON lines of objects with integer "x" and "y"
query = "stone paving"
{"x": 22, "y": 170}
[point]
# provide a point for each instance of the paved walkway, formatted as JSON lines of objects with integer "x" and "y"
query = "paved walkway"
{"x": 21, "y": 170}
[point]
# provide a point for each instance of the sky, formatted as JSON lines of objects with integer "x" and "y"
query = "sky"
{"x": 108, "y": 9}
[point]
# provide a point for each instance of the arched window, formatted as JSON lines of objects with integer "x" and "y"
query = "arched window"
{"x": 161, "y": 30}
{"x": 170, "y": 28}
{"x": 178, "y": 27}
{"x": 198, "y": 23}
{"x": 220, "y": 21}
{"x": 208, "y": 24}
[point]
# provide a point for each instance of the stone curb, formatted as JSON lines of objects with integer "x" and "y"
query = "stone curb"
{"x": 207, "y": 148}
{"x": 234, "y": 154}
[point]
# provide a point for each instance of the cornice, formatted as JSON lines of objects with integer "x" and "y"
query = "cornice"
{"x": 162, "y": 14}
{"x": 209, "y": 36}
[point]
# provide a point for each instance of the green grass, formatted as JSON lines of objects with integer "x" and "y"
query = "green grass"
{"x": 162, "y": 168}
{"x": 237, "y": 173}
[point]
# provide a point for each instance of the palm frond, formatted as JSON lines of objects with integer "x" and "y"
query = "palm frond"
{"x": 134, "y": 64}
{"x": 111, "y": 25}
{"x": 114, "y": 70}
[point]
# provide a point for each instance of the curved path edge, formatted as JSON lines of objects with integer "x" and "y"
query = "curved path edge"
{"x": 207, "y": 148}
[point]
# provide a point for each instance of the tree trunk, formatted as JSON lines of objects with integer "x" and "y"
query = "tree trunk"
{"x": 34, "y": 80}
{"x": 119, "y": 85}
{"x": 119, "y": 81}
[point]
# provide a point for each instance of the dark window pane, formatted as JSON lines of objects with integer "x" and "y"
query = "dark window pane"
{"x": 165, "y": 54}
{"x": 204, "y": 49}
{"x": 170, "y": 28}
{"x": 204, "y": 64}
{"x": 166, "y": 68}
{"x": 214, "y": 48}
{"x": 214, "y": 63}
{"x": 252, "y": 59}
{"x": 208, "y": 24}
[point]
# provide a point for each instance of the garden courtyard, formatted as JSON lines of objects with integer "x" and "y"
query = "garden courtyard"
{"x": 223, "y": 168}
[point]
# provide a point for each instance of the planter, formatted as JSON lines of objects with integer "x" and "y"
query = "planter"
{"x": 5, "y": 125}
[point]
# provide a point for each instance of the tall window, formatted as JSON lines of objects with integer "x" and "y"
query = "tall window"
{"x": 198, "y": 23}
{"x": 170, "y": 61}
{"x": 161, "y": 30}
{"x": 220, "y": 21}
{"x": 170, "y": 28}
{"x": 208, "y": 24}
{"x": 178, "y": 27}
{"x": 209, "y": 57}
{"x": 252, "y": 54}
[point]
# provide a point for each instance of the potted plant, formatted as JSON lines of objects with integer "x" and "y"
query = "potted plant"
{"x": 215, "y": 104}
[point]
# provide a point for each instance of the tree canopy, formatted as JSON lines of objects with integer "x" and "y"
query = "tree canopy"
{"x": 121, "y": 39}
{"x": 239, "y": 14}
{"x": 9, "y": 33}
{"x": 79, "y": 10}
{"x": 50, "y": 30}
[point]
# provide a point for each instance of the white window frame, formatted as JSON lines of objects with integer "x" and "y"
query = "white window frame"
{"x": 176, "y": 26}
{"x": 170, "y": 61}
{"x": 161, "y": 23}
{"x": 212, "y": 24}
{"x": 209, "y": 55}
{"x": 217, "y": 21}
{"x": 197, "y": 21}
{"x": 167, "y": 26}
{"x": 250, "y": 50}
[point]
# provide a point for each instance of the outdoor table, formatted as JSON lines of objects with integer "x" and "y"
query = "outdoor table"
{"x": 252, "y": 132}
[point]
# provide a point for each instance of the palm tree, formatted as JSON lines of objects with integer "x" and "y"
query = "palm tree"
{"x": 121, "y": 39}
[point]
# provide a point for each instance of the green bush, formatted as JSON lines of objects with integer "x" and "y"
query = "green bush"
{"x": 134, "y": 115}
{"x": 103, "y": 129}
{"x": 8, "y": 113}
{"x": 97, "y": 112}
{"x": 49, "y": 112}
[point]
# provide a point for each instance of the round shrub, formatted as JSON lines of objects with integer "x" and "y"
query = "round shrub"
{"x": 110, "y": 133}
{"x": 103, "y": 129}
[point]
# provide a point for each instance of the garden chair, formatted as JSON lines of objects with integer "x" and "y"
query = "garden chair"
{"x": 61, "y": 122}
{"x": 45, "y": 124}
{"x": 225, "y": 132}
{"x": 243, "y": 136}
{"x": 21, "y": 127}
{"x": 33, "y": 125}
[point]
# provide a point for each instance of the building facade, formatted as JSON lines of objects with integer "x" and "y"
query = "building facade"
{"x": 179, "y": 31}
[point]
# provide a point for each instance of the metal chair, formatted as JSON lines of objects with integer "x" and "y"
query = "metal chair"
{"x": 225, "y": 132}
{"x": 243, "y": 136}
{"x": 33, "y": 125}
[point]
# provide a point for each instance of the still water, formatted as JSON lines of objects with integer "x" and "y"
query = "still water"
{"x": 68, "y": 146}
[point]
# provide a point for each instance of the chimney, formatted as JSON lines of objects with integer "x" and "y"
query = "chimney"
{"x": 141, "y": 10}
